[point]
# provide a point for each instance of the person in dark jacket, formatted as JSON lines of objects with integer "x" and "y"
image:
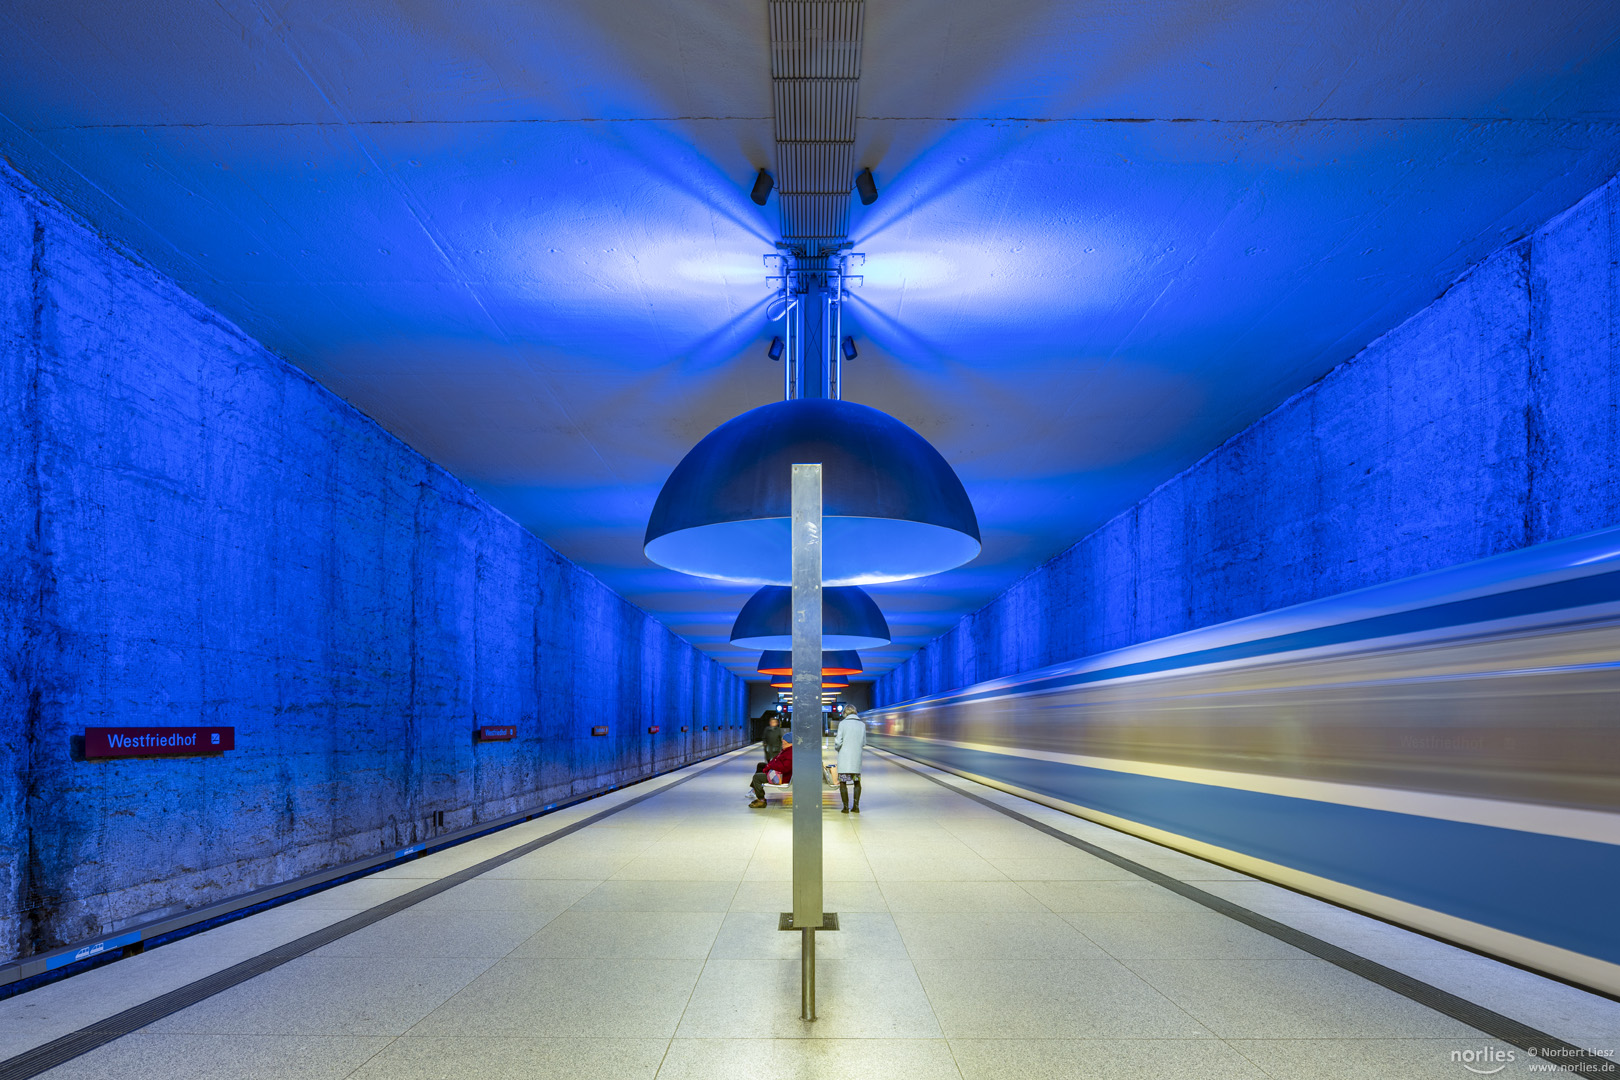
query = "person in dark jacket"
{"x": 778, "y": 770}
{"x": 772, "y": 736}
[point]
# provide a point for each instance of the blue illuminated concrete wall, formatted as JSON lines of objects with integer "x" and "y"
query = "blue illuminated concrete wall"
{"x": 194, "y": 532}
{"x": 1488, "y": 421}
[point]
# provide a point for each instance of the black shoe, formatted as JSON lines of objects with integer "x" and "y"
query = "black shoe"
{"x": 845, "y": 810}
{"x": 854, "y": 809}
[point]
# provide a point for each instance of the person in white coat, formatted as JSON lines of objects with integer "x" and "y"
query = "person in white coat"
{"x": 849, "y": 742}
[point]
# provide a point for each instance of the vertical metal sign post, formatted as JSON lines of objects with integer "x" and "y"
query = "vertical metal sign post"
{"x": 807, "y": 893}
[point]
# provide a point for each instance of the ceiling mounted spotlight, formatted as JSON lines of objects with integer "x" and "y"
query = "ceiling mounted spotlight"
{"x": 775, "y": 350}
{"x": 892, "y": 507}
{"x": 850, "y": 619}
{"x": 864, "y": 184}
{"x": 763, "y": 185}
{"x": 848, "y": 345}
{"x": 839, "y": 662}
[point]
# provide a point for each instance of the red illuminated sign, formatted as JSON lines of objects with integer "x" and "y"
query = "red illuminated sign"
{"x": 121, "y": 742}
{"x": 600, "y": 729}
{"x": 653, "y": 730}
{"x": 497, "y": 733}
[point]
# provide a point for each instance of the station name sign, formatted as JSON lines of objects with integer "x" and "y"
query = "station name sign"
{"x": 114, "y": 742}
{"x": 497, "y": 733}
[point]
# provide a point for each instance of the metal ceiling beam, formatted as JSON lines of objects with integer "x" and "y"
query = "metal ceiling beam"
{"x": 815, "y": 75}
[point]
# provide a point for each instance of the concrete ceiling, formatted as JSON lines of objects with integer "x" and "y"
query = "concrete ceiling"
{"x": 518, "y": 235}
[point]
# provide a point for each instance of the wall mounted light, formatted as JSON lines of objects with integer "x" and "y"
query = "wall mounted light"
{"x": 848, "y": 345}
{"x": 763, "y": 183}
{"x": 892, "y": 506}
{"x": 850, "y": 619}
{"x": 775, "y": 350}
{"x": 865, "y": 185}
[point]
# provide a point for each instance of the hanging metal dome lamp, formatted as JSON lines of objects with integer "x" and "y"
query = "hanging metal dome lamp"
{"x": 849, "y": 620}
{"x": 833, "y": 662}
{"x": 892, "y": 507}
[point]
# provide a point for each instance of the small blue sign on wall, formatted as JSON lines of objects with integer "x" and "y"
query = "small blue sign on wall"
{"x": 93, "y": 949}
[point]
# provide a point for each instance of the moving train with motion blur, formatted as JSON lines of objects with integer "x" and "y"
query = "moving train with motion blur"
{"x": 1442, "y": 751}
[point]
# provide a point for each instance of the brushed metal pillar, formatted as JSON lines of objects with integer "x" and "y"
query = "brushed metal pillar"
{"x": 807, "y": 890}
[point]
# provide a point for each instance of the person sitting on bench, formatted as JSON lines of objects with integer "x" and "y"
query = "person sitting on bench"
{"x": 778, "y": 770}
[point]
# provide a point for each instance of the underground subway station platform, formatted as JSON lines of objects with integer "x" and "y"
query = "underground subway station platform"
{"x": 781, "y": 539}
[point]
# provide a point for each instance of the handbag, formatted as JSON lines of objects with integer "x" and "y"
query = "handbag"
{"x": 829, "y": 775}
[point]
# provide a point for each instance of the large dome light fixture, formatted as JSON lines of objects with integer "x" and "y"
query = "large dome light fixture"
{"x": 850, "y": 619}
{"x": 839, "y": 662}
{"x": 892, "y": 507}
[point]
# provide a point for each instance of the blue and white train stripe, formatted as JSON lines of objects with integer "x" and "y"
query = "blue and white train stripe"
{"x": 1439, "y": 751}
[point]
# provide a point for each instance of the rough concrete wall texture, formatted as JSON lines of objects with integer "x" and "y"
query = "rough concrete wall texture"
{"x": 192, "y": 532}
{"x": 1488, "y": 421}
{"x": 20, "y": 591}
